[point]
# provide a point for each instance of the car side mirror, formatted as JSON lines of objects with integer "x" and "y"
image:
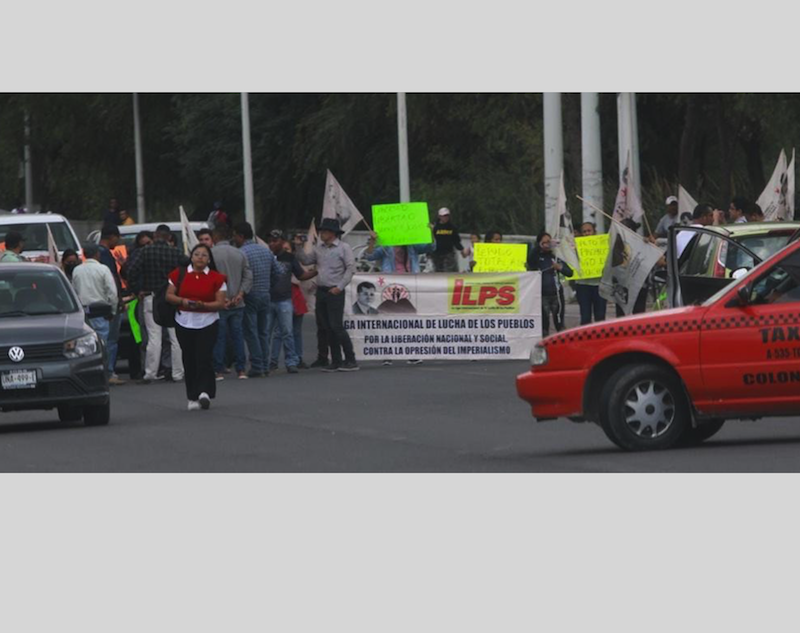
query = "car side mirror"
{"x": 98, "y": 309}
{"x": 744, "y": 294}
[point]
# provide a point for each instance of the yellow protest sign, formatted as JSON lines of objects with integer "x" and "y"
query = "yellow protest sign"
{"x": 500, "y": 258}
{"x": 592, "y": 253}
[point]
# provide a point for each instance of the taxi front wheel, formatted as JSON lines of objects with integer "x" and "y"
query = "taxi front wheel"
{"x": 643, "y": 407}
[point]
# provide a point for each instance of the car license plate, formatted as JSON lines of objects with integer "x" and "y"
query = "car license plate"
{"x": 18, "y": 379}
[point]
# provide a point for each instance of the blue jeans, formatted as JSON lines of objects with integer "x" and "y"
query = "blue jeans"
{"x": 591, "y": 303}
{"x": 101, "y": 326}
{"x": 280, "y": 324}
{"x": 113, "y": 341}
{"x": 256, "y": 321}
{"x": 230, "y": 320}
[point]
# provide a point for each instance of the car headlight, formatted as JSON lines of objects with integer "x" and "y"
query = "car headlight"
{"x": 85, "y": 345}
{"x": 538, "y": 355}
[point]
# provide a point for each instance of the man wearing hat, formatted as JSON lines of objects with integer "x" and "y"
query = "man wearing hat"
{"x": 335, "y": 267}
{"x": 670, "y": 217}
{"x": 447, "y": 243}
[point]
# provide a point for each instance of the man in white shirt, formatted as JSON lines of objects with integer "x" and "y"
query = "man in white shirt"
{"x": 737, "y": 210}
{"x": 703, "y": 215}
{"x": 94, "y": 284}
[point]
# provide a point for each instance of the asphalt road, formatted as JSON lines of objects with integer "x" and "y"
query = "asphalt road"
{"x": 437, "y": 417}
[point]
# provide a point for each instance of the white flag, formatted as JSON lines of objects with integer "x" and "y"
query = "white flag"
{"x": 52, "y": 248}
{"x": 627, "y": 204}
{"x": 311, "y": 239}
{"x": 562, "y": 231}
{"x": 630, "y": 260}
{"x": 790, "y": 190}
{"x": 773, "y": 199}
{"x": 338, "y": 206}
{"x": 686, "y": 203}
{"x": 189, "y": 238}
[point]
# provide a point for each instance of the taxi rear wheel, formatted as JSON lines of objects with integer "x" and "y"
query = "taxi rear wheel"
{"x": 643, "y": 407}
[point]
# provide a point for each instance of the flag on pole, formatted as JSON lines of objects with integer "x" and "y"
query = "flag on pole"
{"x": 630, "y": 260}
{"x": 686, "y": 203}
{"x": 773, "y": 199}
{"x": 790, "y": 190}
{"x": 628, "y": 204}
{"x": 311, "y": 239}
{"x": 562, "y": 231}
{"x": 52, "y": 248}
{"x": 337, "y": 205}
{"x": 189, "y": 238}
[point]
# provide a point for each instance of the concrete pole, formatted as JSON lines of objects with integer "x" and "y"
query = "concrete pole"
{"x": 402, "y": 144}
{"x": 592, "y": 159}
{"x": 137, "y": 141}
{"x": 28, "y": 166}
{"x": 637, "y": 174}
{"x": 627, "y": 135}
{"x": 553, "y": 153}
{"x": 249, "y": 206}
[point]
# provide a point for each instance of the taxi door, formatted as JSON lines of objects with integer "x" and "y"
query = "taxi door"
{"x": 750, "y": 344}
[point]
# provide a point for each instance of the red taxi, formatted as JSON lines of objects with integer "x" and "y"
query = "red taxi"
{"x": 654, "y": 380}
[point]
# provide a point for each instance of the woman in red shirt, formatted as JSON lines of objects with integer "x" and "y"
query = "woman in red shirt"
{"x": 199, "y": 296}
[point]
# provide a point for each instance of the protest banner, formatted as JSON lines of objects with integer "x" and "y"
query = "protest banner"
{"x": 444, "y": 316}
{"x": 593, "y": 252}
{"x": 500, "y": 258}
{"x": 404, "y": 224}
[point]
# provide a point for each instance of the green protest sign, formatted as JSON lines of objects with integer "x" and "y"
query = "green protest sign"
{"x": 402, "y": 224}
{"x": 500, "y": 258}
{"x": 592, "y": 253}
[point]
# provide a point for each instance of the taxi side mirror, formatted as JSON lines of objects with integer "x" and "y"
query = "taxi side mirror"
{"x": 744, "y": 294}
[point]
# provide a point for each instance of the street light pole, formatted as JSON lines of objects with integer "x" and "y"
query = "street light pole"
{"x": 553, "y": 152}
{"x": 592, "y": 159}
{"x": 402, "y": 142}
{"x": 249, "y": 205}
{"x": 137, "y": 141}
{"x": 28, "y": 166}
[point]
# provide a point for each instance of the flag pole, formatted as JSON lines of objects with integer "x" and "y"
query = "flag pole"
{"x": 613, "y": 219}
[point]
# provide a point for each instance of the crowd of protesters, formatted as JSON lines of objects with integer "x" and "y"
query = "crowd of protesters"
{"x": 238, "y": 300}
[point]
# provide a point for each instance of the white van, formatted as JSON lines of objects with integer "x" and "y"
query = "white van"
{"x": 129, "y": 232}
{"x": 33, "y": 227}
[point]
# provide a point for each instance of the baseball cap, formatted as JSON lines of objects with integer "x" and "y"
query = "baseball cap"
{"x": 276, "y": 234}
{"x": 671, "y": 200}
{"x": 444, "y": 211}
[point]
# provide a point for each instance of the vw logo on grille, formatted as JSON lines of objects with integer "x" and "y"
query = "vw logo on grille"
{"x": 16, "y": 354}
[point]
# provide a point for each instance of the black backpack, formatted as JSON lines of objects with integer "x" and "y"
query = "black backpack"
{"x": 164, "y": 312}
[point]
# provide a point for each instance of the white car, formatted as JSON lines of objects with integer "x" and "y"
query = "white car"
{"x": 129, "y": 232}
{"x": 33, "y": 227}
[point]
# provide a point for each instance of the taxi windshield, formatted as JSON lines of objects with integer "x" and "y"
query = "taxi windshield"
{"x": 33, "y": 293}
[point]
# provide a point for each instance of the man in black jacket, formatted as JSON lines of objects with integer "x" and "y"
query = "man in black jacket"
{"x": 447, "y": 243}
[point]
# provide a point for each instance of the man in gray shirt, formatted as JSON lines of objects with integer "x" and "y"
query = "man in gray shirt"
{"x": 335, "y": 266}
{"x": 232, "y": 263}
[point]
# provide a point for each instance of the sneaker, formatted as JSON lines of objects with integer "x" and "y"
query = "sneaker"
{"x": 205, "y": 401}
{"x": 292, "y": 370}
{"x": 226, "y": 371}
{"x": 219, "y": 376}
{"x": 319, "y": 363}
{"x": 302, "y": 365}
{"x": 145, "y": 381}
{"x": 331, "y": 367}
{"x": 349, "y": 366}
{"x": 242, "y": 375}
{"x": 415, "y": 361}
{"x": 194, "y": 405}
{"x": 272, "y": 367}
{"x": 255, "y": 374}
{"x": 387, "y": 363}
{"x": 115, "y": 380}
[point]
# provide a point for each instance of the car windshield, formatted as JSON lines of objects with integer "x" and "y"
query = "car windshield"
{"x": 31, "y": 293}
{"x": 761, "y": 245}
{"x": 128, "y": 239}
{"x": 35, "y": 235}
